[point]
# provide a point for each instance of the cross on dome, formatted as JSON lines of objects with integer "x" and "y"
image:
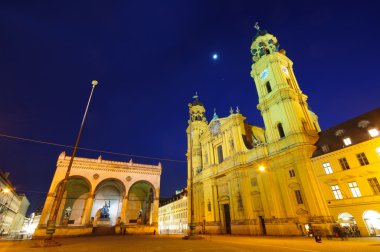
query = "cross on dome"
{"x": 257, "y": 27}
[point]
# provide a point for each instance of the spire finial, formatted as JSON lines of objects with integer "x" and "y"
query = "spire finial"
{"x": 231, "y": 111}
{"x": 215, "y": 116}
{"x": 237, "y": 110}
{"x": 196, "y": 96}
{"x": 257, "y": 27}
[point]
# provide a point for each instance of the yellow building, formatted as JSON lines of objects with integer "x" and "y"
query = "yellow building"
{"x": 251, "y": 180}
{"x": 347, "y": 163}
{"x": 172, "y": 214}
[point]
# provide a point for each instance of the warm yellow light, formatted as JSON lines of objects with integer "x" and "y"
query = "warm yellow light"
{"x": 373, "y": 132}
{"x": 184, "y": 197}
{"x": 262, "y": 168}
{"x": 347, "y": 141}
{"x": 378, "y": 150}
{"x": 6, "y": 190}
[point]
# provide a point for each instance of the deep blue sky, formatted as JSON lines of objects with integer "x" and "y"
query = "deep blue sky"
{"x": 150, "y": 57}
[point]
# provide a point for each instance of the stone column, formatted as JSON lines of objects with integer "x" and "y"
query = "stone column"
{"x": 124, "y": 206}
{"x": 47, "y": 208}
{"x": 155, "y": 212}
{"x": 87, "y": 210}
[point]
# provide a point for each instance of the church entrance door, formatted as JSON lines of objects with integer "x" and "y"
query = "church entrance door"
{"x": 227, "y": 218}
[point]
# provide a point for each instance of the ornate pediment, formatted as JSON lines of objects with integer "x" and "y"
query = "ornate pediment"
{"x": 294, "y": 185}
{"x": 224, "y": 198}
{"x": 301, "y": 211}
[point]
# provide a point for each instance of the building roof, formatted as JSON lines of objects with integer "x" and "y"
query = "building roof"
{"x": 356, "y": 129}
{"x": 178, "y": 196}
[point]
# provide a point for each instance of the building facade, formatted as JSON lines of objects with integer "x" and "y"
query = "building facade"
{"x": 245, "y": 179}
{"x": 13, "y": 207}
{"x": 30, "y": 224}
{"x": 102, "y": 193}
{"x": 347, "y": 163}
{"x": 172, "y": 214}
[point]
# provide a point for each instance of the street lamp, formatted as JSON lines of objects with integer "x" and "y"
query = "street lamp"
{"x": 51, "y": 225}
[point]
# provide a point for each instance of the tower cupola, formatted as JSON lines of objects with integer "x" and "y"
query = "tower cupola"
{"x": 263, "y": 43}
{"x": 197, "y": 110}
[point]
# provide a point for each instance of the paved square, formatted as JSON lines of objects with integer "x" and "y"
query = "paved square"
{"x": 209, "y": 243}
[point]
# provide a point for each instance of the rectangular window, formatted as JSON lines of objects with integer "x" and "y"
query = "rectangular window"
{"x": 347, "y": 141}
{"x": 298, "y": 196}
{"x": 344, "y": 164}
{"x": 373, "y": 132}
{"x": 254, "y": 181}
{"x": 337, "y": 192}
{"x": 292, "y": 173}
{"x": 362, "y": 159}
{"x": 232, "y": 144}
{"x": 378, "y": 150}
{"x": 327, "y": 167}
{"x": 220, "y": 154}
{"x": 374, "y": 185}
{"x": 354, "y": 189}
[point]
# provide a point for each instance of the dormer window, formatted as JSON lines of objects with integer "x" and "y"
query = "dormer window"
{"x": 373, "y": 132}
{"x": 347, "y": 141}
{"x": 325, "y": 148}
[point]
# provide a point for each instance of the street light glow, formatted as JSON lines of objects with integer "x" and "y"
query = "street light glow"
{"x": 262, "y": 168}
{"x": 6, "y": 190}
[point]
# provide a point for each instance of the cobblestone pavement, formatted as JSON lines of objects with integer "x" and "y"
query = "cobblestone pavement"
{"x": 209, "y": 243}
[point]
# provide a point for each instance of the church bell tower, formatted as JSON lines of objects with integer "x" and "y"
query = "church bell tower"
{"x": 282, "y": 104}
{"x": 197, "y": 126}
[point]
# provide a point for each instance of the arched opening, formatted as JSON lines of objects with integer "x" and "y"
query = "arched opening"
{"x": 107, "y": 202}
{"x": 141, "y": 196}
{"x": 269, "y": 88}
{"x": 372, "y": 221}
{"x": 280, "y": 130}
{"x": 348, "y": 223}
{"x": 73, "y": 202}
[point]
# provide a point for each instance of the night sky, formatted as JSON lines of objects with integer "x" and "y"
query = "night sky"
{"x": 150, "y": 57}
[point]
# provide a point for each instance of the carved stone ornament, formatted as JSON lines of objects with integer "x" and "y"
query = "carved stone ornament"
{"x": 95, "y": 176}
{"x": 128, "y": 178}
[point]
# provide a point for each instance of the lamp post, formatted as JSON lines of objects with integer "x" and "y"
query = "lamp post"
{"x": 51, "y": 225}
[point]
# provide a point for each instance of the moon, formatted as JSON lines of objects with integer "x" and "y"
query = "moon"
{"x": 215, "y": 56}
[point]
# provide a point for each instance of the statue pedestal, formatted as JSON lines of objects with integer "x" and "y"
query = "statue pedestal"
{"x": 103, "y": 222}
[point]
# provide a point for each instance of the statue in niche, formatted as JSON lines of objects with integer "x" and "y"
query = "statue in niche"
{"x": 105, "y": 210}
{"x": 67, "y": 213}
{"x": 140, "y": 213}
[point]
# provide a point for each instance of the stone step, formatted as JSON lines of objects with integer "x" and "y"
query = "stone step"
{"x": 104, "y": 231}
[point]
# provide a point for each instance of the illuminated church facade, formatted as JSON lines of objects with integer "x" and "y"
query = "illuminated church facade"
{"x": 252, "y": 180}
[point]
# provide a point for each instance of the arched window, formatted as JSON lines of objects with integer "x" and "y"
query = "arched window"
{"x": 290, "y": 83}
{"x": 280, "y": 130}
{"x": 304, "y": 125}
{"x": 269, "y": 88}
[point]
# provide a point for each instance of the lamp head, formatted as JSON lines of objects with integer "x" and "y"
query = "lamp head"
{"x": 94, "y": 83}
